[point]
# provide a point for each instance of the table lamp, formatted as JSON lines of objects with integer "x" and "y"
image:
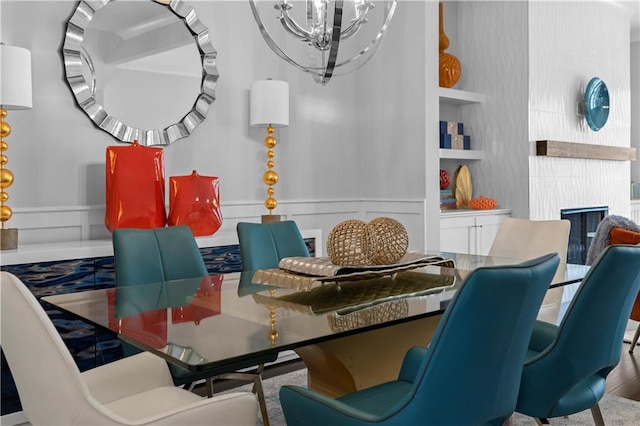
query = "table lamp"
{"x": 15, "y": 93}
{"x": 269, "y": 107}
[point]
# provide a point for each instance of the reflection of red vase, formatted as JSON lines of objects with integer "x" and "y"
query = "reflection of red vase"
{"x": 204, "y": 304}
{"x": 134, "y": 187}
{"x": 449, "y": 65}
{"x": 194, "y": 201}
{"x": 149, "y": 327}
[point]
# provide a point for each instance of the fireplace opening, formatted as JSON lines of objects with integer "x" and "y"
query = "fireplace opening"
{"x": 584, "y": 222}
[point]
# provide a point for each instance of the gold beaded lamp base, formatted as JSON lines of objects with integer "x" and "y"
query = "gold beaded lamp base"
{"x": 9, "y": 239}
{"x": 270, "y": 218}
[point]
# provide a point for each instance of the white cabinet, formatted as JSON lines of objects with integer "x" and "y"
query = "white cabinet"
{"x": 470, "y": 231}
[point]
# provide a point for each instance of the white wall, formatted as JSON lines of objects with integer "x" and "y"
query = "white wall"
{"x": 361, "y": 145}
{"x": 494, "y": 56}
{"x": 564, "y": 55}
{"x": 57, "y": 155}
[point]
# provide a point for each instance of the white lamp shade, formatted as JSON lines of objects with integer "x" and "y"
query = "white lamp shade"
{"x": 269, "y": 103}
{"x": 15, "y": 78}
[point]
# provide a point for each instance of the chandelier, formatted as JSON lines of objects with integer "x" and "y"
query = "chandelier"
{"x": 327, "y": 25}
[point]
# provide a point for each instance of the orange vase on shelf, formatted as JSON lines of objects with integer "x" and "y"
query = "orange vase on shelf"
{"x": 449, "y": 65}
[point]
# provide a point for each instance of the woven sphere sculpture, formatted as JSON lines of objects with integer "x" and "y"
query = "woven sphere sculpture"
{"x": 351, "y": 243}
{"x": 392, "y": 240}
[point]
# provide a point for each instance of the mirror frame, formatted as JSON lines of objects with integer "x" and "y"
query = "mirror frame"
{"x": 72, "y": 52}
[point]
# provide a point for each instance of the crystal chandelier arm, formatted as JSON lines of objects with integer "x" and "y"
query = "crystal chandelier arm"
{"x": 291, "y": 26}
{"x": 375, "y": 44}
{"x": 275, "y": 48}
{"x": 358, "y": 21}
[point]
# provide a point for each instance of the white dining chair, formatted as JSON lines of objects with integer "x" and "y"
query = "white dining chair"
{"x": 137, "y": 390}
{"x": 525, "y": 239}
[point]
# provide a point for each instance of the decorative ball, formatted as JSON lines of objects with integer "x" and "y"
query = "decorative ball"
{"x": 6, "y": 178}
{"x": 5, "y": 213}
{"x": 445, "y": 179}
{"x": 5, "y": 129}
{"x": 351, "y": 243}
{"x": 270, "y": 203}
{"x": 270, "y": 177}
{"x": 270, "y": 142}
{"x": 392, "y": 240}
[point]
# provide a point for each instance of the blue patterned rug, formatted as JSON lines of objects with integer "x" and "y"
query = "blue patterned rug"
{"x": 616, "y": 411}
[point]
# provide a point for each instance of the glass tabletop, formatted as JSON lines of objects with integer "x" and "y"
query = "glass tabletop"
{"x": 220, "y": 320}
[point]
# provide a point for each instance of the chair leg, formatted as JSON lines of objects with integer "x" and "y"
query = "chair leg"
{"x": 541, "y": 421}
{"x": 257, "y": 386}
{"x": 209, "y": 385}
{"x": 597, "y": 415}
{"x": 635, "y": 340}
{"x": 256, "y": 378}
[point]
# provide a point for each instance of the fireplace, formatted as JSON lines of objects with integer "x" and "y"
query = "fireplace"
{"x": 584, "y": 222}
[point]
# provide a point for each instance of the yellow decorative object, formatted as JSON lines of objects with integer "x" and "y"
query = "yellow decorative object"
{"x": 9, "y": 236}
{"x": 463, "y": 188}
{"x": 370, "y": 316}
{"x": 483, "y": 203}
{"x": 392, "y": 240}
{"x": 15, "y": 94}
{"x": 270, "y": 177}
{"x": 450, "y": 69}
{"x": 351, "y": 243}
{"x": 269, "y": 107}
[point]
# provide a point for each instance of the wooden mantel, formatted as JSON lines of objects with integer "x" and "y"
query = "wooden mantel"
{"x": 584, "y": 150}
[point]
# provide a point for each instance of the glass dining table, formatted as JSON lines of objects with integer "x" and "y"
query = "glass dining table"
{"x": 339, "y": 329}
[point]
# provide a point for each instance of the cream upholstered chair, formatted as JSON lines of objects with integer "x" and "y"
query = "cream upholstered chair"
{"x": 525, "y": 239}
{"x": 135, "y": 390}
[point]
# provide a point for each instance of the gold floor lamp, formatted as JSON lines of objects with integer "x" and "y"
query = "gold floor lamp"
{"x": 15, "y": 93}
{"x": 269, "y": 107}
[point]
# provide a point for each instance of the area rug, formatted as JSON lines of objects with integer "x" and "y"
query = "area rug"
{"x": 616, "y": 411}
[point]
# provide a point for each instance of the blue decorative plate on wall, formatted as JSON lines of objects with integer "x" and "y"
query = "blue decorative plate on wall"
{"x": 596, "y": 104}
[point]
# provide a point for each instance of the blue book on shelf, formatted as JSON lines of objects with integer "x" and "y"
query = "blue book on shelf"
{"x": 445, "y": 141}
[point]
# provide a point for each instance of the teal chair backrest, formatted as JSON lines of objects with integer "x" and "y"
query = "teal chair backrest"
{"x": 263, "y": 245}
{"x": 145, "y": 256}
{"x": 589, "y": 338}
{"x": 471, "y": 370}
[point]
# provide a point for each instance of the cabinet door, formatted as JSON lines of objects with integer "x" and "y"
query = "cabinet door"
{"x": 486, "y": 228}
{"x": 455, "y": 234}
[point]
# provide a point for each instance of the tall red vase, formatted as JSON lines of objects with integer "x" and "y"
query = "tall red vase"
{"x": 134, "y": 187}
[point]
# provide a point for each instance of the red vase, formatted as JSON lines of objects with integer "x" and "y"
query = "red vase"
{"x": 134, "y": 187}
{"x": 194, "y": 201}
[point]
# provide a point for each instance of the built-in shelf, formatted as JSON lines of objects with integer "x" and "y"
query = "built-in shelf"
{"x": 459, "y": 97}
{"x": 461, "y": 154}
{"x": 583, "y": 150}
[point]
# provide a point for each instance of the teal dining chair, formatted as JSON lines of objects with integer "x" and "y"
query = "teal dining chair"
{"x": 470, "y": 372}
{"x": 144, "y": 256}
{"x": 567, "y": 365}
{"x": 263, "y": 245}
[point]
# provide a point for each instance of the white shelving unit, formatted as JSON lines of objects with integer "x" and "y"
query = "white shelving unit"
{"x": 457, "y": 97}
{"x": 461, "y": 154}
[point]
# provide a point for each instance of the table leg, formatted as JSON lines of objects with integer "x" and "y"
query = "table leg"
{"x": 345, "y": 365}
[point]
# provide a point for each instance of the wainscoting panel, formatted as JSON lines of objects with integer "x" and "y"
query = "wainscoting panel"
{"x": 79, "y": 223}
